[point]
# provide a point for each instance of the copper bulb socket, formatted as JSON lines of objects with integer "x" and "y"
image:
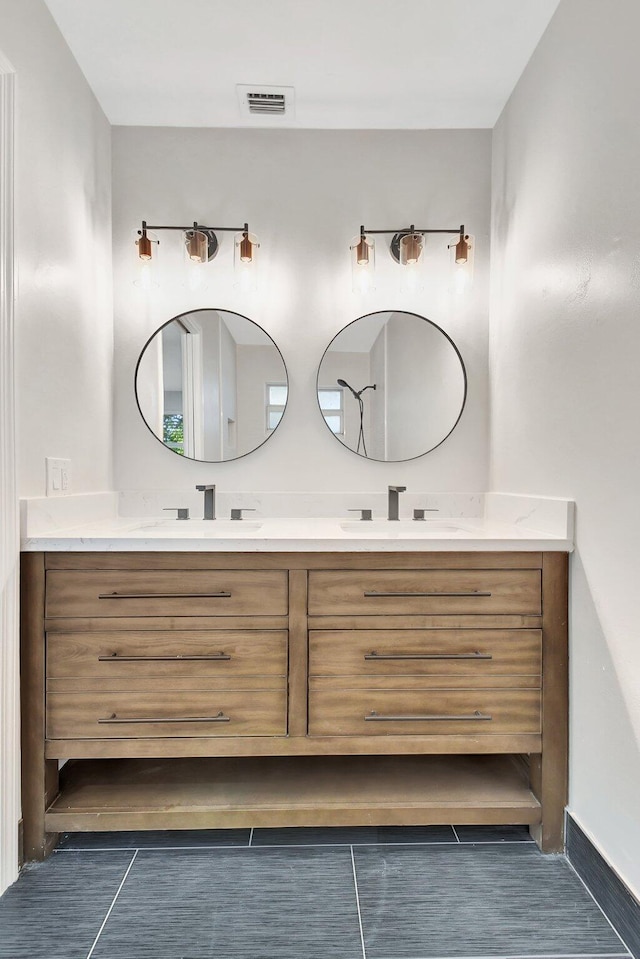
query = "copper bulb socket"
{"x": 197, "y": 246}
{"x": 246, "y": 249}
{"x": 362, "y": 252}
{"x": 462, "y": 250}
{"x": 144, "y": 247}
{"x": 412, "y": 244}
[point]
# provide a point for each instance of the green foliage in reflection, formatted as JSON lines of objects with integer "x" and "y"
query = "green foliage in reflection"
{"x": 173, "y": 432}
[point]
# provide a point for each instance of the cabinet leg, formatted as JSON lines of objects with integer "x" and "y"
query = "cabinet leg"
{"x": 548, "y": 834}
{"x": 38, "y": 792}
{"x": 548, "y": 770}
{"x": 39, "y": 775}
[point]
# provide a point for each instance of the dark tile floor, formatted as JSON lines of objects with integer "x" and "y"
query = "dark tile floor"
{"x": 368, "y": 893}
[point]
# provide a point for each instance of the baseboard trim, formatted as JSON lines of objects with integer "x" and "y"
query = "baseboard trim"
{"x": 612, "y": 895}
{"x": 21, "y": 844}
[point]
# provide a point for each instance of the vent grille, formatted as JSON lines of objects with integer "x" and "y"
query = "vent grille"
{"x": 267, "y": 103}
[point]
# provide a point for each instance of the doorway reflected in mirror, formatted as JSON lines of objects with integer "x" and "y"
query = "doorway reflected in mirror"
{"x": 211, "y": 385}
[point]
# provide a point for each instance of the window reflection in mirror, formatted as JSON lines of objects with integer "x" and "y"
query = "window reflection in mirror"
{"x": 331, "y": 402}
{"x": 211, "y": 385}
{"x": 398, "y": 385}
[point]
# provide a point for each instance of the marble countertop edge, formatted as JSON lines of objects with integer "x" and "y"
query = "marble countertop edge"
{"x": 294, "y": 535}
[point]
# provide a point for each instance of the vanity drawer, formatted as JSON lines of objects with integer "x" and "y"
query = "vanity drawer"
{"x": 166, "y": 714}
{"x": 113, "y": 657}
{"x": 482, "y": 653}
{"x": 419, "y": 591}
{"x": 382, "y": 712}
{"x": 166, "y": 593}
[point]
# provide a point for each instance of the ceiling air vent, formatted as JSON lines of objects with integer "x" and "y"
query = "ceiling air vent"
{"x": 259, "y": 101}
{"x": 266, "y": 102}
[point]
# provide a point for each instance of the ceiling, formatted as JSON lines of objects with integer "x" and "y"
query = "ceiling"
{"x": 354, "y": 64}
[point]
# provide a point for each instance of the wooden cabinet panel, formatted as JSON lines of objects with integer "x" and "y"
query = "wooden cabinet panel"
{"x": 304, "y": 655}
{"x": 481, "y": 653}
{"x": 141, "y": 715}
{"x": 166, "y": 593}
{"x": 383, "y": 712}
{"x": 424, "y": 591}
{"x": 112, "y": 656}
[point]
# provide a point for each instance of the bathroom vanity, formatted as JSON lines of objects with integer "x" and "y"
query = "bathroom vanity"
{"x": 212, "y": 687}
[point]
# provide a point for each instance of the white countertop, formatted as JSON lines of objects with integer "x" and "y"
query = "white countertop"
{"x": 302, "y": 534}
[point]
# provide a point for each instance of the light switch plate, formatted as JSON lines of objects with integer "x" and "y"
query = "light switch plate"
{"x": 58, "y": 476}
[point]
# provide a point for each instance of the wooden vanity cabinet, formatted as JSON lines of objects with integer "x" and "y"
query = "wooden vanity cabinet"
{"x": 202, "y": 690}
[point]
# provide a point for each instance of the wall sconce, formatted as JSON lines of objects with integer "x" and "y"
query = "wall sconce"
{"x": 201, "y": 243}
{"x": 407, "y": 249}
{"x": 147, "y": 261}
{"x": 462, "y": 258}
{"x": 363, "y": 262}
{"x": 245, "y": 257}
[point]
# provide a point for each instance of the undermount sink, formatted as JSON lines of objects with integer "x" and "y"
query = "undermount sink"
{"x": 198, "y": 527}
{"x": 407, "y": 527}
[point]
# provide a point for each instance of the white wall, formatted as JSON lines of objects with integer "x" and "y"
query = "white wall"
{"x": 211, "y": 403}
{"x": 63, "y": 311}
{"x": 424, "y": 385}
{"x": 305, "y": 194}
{"x": 378, "y": 402}
{"x": 257, "y": 366}
{"x": 151, "y": 379}
{"x": 565, "y": 341}
{"x": 228, "y": 392}
{"x": 64, "y": 320}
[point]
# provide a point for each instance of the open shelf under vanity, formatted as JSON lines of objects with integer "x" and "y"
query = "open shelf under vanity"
{"x": 120, "y": 794}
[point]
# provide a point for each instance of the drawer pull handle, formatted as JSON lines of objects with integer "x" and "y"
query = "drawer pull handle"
{"x": 116, "y": 657}
{"x": 377, "y": 593}
{"x": 374, "y": 717}
{"x": 114, "y": 595}
{"x": 476, "y": 655}
{"x": 220, "y": 718}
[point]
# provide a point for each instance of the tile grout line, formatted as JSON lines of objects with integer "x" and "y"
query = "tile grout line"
{"x": 355, "y": 884}
{"x": 456, "y": 834}
{"x": 92, "y": 849}
{"x": 575, "y": 871}
{"x": 544, "y": 955}
{"x": 309, "y": 845}
{"x": 251, "y": 836}
{"x": 104, "y": 921}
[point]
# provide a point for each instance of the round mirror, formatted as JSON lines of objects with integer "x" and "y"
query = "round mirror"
{"x": 391, "y": 386}
{"x": 211, "y": 385}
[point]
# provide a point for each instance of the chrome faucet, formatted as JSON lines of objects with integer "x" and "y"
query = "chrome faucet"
{"x": 394, "y": 500}
{"x": 209, "y": 501}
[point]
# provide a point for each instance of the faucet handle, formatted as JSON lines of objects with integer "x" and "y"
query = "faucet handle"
{"x": 183, "y": 513}
{"x": 203, "y": 488}
{"x": 397, "y": 489}
{"x": 237, "y": 513}
{"x": 419, "y": 513}
{"x": 365, "y": 514}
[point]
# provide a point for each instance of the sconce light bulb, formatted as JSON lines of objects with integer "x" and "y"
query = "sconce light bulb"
{"x": 197, "y": 246}
{"x": 462, "y": 249}
{"x": 144, "y": 247}
{"x": 362, "y": 252}
{"x": 246, "y": 249}
{"x": 412, "y": 243}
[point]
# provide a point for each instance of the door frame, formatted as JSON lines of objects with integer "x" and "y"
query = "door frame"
{"x": 9, "y": 522}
